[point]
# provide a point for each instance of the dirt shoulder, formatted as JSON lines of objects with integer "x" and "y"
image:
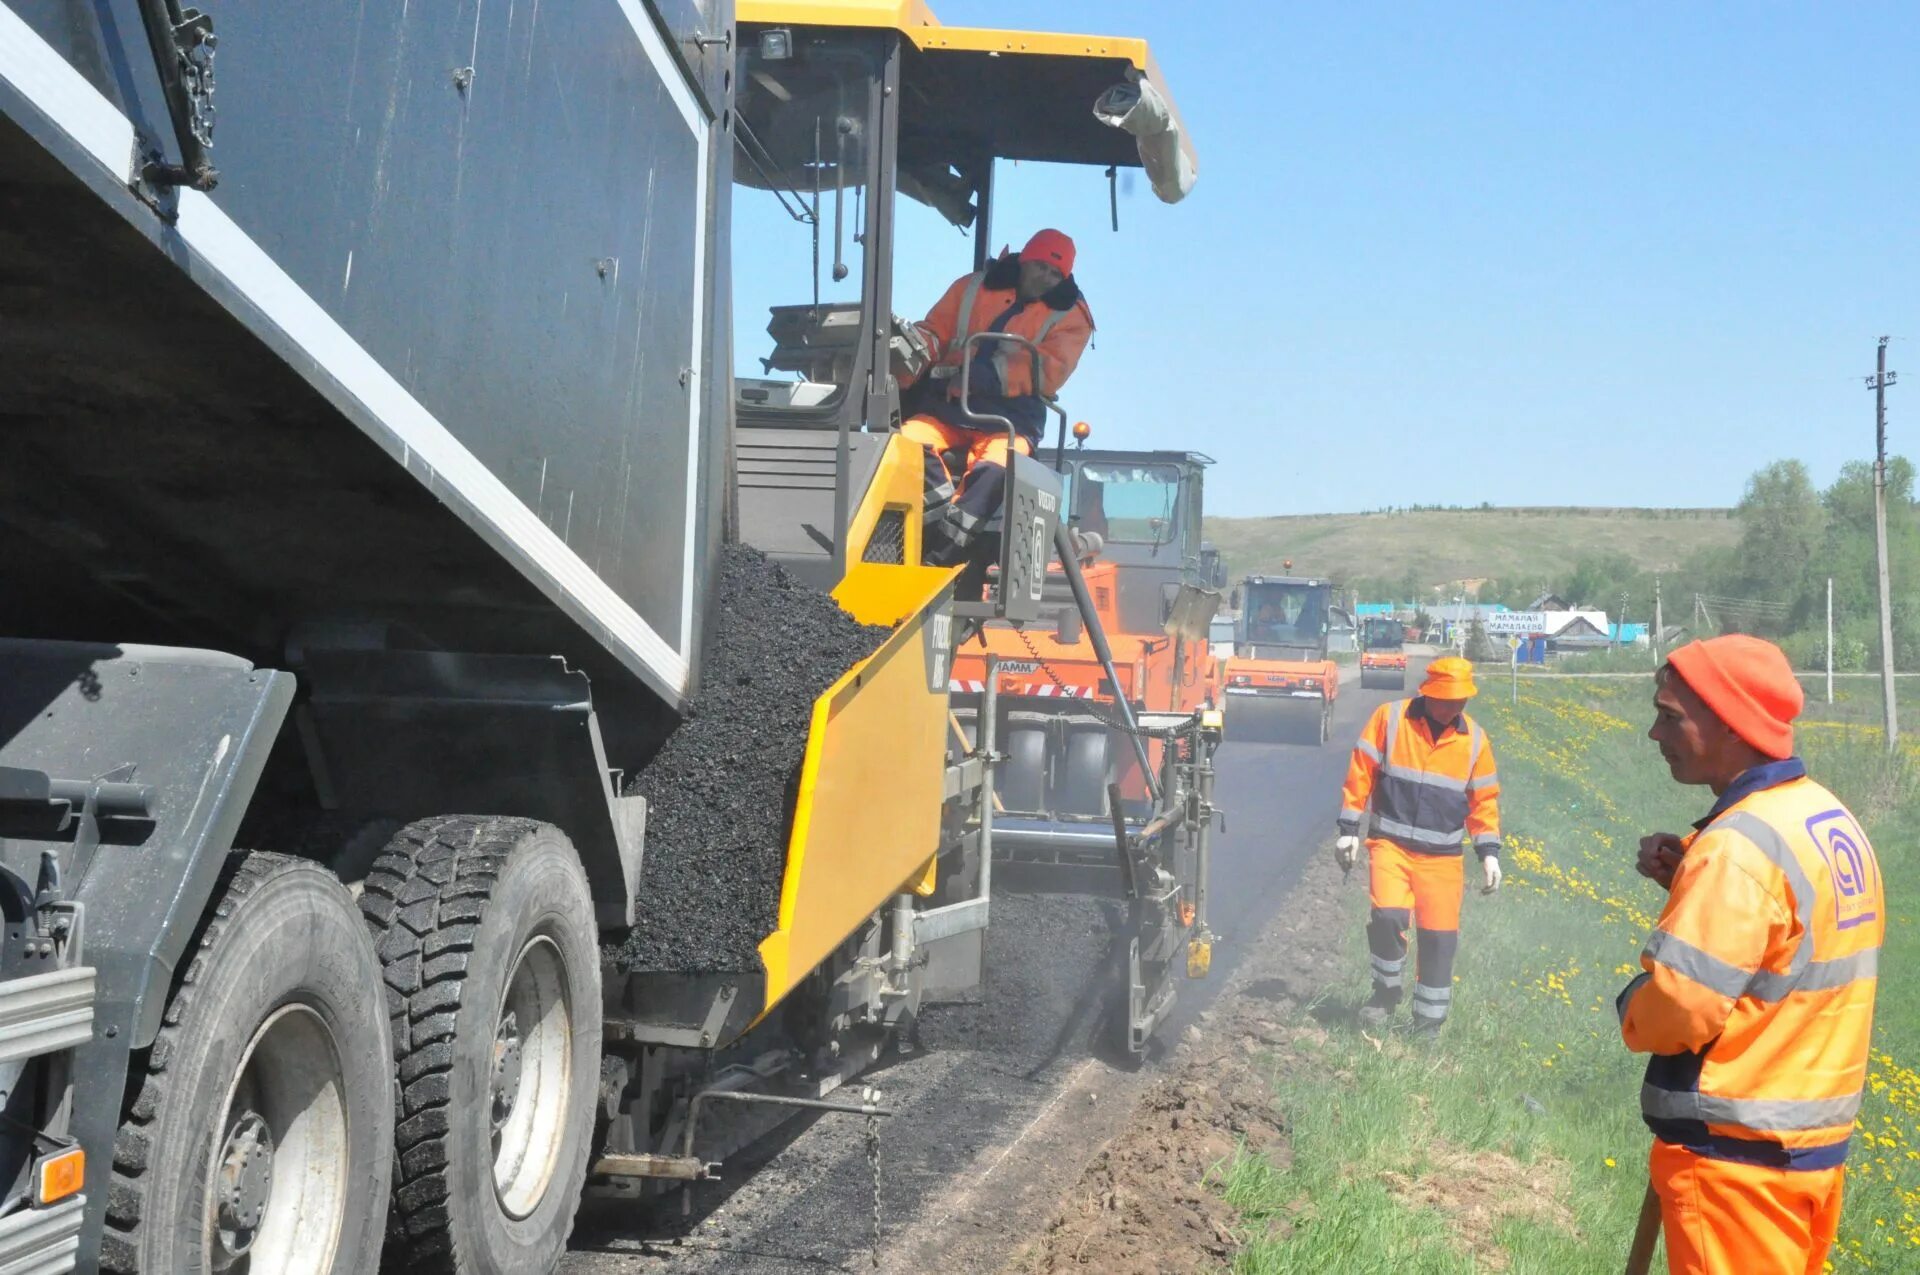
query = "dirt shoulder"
{"x": 1150, "y": 1201}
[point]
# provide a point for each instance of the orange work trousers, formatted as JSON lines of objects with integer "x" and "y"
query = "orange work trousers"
{"x": 953, "y": 517}
{"x": 1724, "y": 1218}
{"x": 1427, "y": 885}
{"x": 936, "y": 435}
{"x": 1424, "y": 889}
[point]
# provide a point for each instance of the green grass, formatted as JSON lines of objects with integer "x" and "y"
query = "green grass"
{"x": 1531, "y": 1095}
{"x": 1444, "y": 546}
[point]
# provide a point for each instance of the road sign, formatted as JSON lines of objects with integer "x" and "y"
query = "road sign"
{"x": 1517, "y": 623}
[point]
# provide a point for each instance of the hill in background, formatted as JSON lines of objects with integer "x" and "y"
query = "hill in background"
{"x": 1444, "y": 546}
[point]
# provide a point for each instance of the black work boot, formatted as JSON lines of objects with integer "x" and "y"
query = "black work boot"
{"x": 1380, "y": 1006}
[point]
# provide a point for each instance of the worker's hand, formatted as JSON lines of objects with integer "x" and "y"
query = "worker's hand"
{"x": 1490, "y": 869}
{"x": 1346, "y": 850}
{"x": 1659, "y": 856}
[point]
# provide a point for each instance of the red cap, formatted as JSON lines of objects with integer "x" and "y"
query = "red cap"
{"x": 1748, "y": 684}
{"x": 1051, "y": 247}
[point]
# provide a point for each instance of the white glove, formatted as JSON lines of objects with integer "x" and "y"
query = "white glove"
{"x": 1345, "y": 851}
{"x": 1490, "y": 865}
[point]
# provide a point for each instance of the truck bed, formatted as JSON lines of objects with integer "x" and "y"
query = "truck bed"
{"x": 426, "y": 370}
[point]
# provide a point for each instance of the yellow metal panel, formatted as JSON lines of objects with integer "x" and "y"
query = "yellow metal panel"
{"x": 871, "y": 787}
{"x": 891, "y": 15}
{"x": 917, "y": 22}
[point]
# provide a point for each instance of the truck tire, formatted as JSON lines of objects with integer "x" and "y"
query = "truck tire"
{"x": 485, "y": 928}
{"x": 1021, "y": 779}
{"x": 1084, "y": 773}
{"x": 263, "y": 1103}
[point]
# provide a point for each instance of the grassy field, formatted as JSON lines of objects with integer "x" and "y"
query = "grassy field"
{"x": 1445, "y": 545}
{"x": 1517, "y": 1144}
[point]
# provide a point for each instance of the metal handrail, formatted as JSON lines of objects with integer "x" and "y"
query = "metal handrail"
{"x": 988, "y": 418}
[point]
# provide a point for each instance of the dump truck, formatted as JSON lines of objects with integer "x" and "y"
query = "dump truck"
{"x": 1280, "y": 685}
{"x": 1383, "y": 653}
{"x": 373, "y": 464}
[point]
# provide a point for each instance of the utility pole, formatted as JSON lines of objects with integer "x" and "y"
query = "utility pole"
{"x": 1829, "y": 639}
{"x": 1659, "y": 623}
{"x": 1878, "y": 383}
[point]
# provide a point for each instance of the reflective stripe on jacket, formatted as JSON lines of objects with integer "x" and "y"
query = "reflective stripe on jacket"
{"x": 1059, "y": 323}
{"x": 1429, "y": 796}
{"x": 1757, "y": 1001}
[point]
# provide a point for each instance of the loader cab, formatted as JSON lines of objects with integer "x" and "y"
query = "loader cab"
{"x": 1146, "y": 508}
{"x": 846, "y": 118}
{"x": 1383, "y": 633}
{"x": 1284, "y": 618}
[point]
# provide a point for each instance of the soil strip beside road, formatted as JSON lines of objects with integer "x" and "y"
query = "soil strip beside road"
{"x": 1152, "y": 1201}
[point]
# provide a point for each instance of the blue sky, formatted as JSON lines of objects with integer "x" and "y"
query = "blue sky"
{"x": 1541, "y": 253}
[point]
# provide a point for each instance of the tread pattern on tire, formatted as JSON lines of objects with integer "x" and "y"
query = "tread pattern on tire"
{"x": 244, "y": 872}
{"x": 424, "y": 899}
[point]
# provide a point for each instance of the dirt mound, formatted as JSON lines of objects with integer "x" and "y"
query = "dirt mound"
{"x": 1152, "y": 1201}
{"x": 720, "y": 792}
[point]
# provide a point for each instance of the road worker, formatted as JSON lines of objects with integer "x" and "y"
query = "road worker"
{"x": 1427, "y": 770}
{"x": 1034, "y": 296}
{"x": 1757, "y": 1000}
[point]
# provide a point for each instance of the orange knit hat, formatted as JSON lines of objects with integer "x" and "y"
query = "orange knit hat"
{"x": 1449, "y": 677}
{"x": 1748, "y": 684}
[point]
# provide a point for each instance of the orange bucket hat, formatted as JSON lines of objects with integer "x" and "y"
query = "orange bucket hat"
{"x": 1449, "y": 677}
{"x": 1748, "y": 684}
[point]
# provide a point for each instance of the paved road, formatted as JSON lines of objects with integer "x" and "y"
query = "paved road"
{"x": 1010, "y": 1095}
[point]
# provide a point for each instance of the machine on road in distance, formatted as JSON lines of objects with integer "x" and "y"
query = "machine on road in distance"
{"x": 1383, "y": 653}
{"x": 1280, "y": 685}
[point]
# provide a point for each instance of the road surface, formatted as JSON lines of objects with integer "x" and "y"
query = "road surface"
{"x": 1009, "y": 1096}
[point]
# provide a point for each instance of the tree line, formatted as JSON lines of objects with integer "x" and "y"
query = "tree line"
{"x": 1773, "y": 582}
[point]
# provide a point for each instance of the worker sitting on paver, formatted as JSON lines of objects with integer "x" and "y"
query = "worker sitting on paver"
{"x": 1034, "y": 296}
{"x": 1428, "y": 771}
{"x": 1757, "y": 1000}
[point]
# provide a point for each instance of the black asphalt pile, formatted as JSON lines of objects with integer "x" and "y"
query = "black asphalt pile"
{"x": 720, "y": 792}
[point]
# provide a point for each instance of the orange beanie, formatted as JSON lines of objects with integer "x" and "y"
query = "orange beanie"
{"x": 1748, "y": 684}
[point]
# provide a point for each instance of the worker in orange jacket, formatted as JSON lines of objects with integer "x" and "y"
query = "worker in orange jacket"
{"x": 1428, "y": 773}
{"x": 1034, "y": 296}
{"x": 1757, "y": 1000}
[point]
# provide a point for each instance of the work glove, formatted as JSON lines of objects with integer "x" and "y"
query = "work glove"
{"x": 1346, "y": 849}
{"x": 1490, "y": 868}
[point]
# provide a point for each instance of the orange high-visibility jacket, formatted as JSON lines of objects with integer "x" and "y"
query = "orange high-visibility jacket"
{"x": 1430, "y": 796}
{"x": 1059, "y": 322}
{"x": 1757, "y": 1000}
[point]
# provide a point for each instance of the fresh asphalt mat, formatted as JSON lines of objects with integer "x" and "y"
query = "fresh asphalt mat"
{"x": 1004, "y": 1111}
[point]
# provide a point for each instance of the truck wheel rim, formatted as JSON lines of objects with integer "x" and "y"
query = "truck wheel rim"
{"x": 277, "y": 1186}
{"x": 532, "y": 1077}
